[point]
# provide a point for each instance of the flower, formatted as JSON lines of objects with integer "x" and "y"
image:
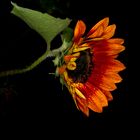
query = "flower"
{"x": 90, "y": 69}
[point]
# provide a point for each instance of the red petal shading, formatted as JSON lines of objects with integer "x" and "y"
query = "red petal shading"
{"x": 102, "y": 68}
{"x": 97, "y": 92}
{"x": 93, "y": 101}
{"x": 109, "y": 49}
{"x": 110, "y": 65}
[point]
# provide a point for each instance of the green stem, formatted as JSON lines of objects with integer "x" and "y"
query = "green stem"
{"x": 28, "y": 68}
{"x": 48, "y": 53}
{"x": 48, "y": 46}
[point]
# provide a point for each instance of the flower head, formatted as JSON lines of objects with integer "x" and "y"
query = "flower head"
{"x": 90, "y": 69}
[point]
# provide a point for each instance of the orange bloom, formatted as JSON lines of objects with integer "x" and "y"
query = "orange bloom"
{"x": 90, "y": 69}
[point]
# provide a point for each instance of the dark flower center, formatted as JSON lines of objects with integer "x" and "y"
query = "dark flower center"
{"x": 84, "y": 67}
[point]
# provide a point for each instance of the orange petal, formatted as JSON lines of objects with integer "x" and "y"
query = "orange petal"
{"x": 84, "y": 109}
{"x": 109, "y": 32}
{"x": 108, "y": 95}
{"x": 102, "y": 97}
{"x": 110, "y": 65}
{"x": 98, "y": 93}
{"x": 116, "y": 47}
{"x": 114, "y": 77}
{"x": 108, "y": 87}
{"x": 82, "y": 105}
{"x": 116, "y": 66}
{"x": 116, "y": 41}
{"x": 111, "y": 49}
{"x": 104, "y": 83}
{"x": 71, "y": 57}
{"x": 67, "y": 58}
{"x": 101, "y": 56}
{"x": 94, "y": 102}
{"x": 104, "y": 23}
{"x": 98, "y": 32}
{"x": 97, "y": 39}
{"x": 61, "y": 69}
{"x": 79, "y": 30}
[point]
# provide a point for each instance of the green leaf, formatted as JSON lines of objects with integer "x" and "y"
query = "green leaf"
{"x": 67, "y": 34}
{"x": 46, "y": 25}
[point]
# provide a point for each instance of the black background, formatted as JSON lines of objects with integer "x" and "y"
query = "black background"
{"x": 34, "y": 102}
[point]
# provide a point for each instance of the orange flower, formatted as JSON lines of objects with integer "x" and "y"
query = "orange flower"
{"x": 90, "y": 69}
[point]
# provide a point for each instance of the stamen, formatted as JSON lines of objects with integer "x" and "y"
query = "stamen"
{"x": 84, "y": 66}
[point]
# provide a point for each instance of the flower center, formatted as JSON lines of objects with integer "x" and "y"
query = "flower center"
{"x": 84, "y": 66}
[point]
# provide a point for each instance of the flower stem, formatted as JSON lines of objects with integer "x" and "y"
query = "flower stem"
{"x": 47, "y": 54}
{"x": 28, "y": 68}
